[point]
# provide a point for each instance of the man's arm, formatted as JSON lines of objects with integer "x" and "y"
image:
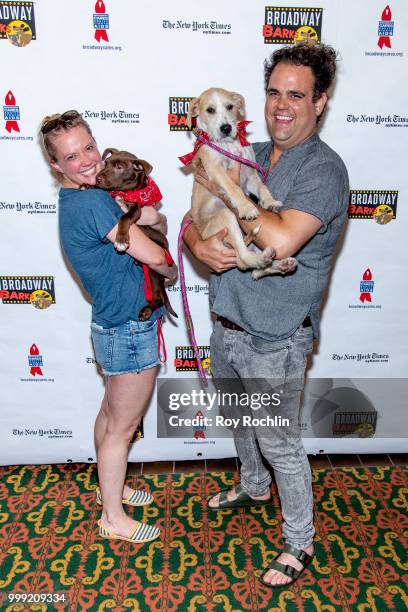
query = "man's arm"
{"x": 286, "y": 232}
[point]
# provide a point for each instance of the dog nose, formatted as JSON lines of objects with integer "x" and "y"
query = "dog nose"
{"x": 226, "y": 129}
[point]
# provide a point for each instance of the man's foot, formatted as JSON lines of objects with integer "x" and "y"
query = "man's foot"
{"x": 232, "y": 498}
{"x": 274, "y": 577}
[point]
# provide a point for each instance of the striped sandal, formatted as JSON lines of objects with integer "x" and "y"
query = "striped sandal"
{"x": 142, "y": 533}
{"x": 135, "y": 498}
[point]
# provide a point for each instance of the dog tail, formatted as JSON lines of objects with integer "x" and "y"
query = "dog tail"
{"x": 169, "y": 306}
{"x": 250, "y": 237}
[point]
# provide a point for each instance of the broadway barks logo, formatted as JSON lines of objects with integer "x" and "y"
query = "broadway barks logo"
{"x": 185, "y": 360}
{"x": 17, "y": 22}
{"x": 361, "y": 424}
{"x": 385, "y": 29}
{"x": 38, "y": 291}
{"x": 377, "y": 204}
{"x": 292, "y": 25}
{"x": 177, "y": 117}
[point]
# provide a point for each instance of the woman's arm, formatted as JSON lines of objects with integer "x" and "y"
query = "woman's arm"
{"x": 146, "y": 251}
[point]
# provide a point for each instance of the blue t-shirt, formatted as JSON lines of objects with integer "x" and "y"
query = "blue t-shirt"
{"x": 112, "y": 279}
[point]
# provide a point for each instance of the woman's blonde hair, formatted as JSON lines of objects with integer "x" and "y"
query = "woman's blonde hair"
{"x": 55, "y": 124}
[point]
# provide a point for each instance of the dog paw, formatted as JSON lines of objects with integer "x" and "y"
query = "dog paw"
{"x": 248, "y": 212}
{"x": 121, "y": 246}
{"x": 256, "y": 274}
{"x": 267, "y": 257}
{"x": 271, "y": 204}
{"x": 285, "y": 265}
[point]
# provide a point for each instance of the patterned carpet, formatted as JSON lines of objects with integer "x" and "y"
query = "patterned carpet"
{"x": 204, "y": 561}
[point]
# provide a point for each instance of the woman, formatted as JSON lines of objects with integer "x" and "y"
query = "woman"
{"x": 126, "y": 349}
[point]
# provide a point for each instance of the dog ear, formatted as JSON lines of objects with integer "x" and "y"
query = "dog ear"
{"x": 240, "y": 103}
{"x": 146, "y": 166}
{"x": 108, "y": 152}
{"x": 193, "y": 111}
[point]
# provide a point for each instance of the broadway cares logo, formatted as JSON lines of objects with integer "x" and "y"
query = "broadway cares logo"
{"x": 11, "y": 116}
{"x": 35, "y": 364}
{"x": 385, "y": 120}
{"x": 112, "y": 116}
{"x": 385, "y": 32}
{"x": 17, "y": 22}
{"x": 205, "y": 27}
{"x": 366, "y": 291}
{"x": 101, "y": 26}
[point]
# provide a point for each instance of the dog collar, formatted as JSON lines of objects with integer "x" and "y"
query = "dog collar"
{"x": 147, "y": 196}
{"x": 241, "y": 134}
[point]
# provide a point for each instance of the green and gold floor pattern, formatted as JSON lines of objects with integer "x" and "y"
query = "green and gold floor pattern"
{"x": 204, "y": 561}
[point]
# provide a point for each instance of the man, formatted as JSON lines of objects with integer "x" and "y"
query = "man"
{"x": 265, "y": 329}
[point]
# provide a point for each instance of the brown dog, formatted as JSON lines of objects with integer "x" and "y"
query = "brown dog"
{"x": 126, "y": 175}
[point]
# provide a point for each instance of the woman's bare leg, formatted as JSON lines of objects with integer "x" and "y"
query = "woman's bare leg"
{"x": 125, "y": 402}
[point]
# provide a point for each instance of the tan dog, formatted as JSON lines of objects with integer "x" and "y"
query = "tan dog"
{"x": 217, "y": 112}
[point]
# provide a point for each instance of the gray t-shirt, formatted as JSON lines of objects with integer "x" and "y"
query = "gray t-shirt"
{"x": 311, "y": 178}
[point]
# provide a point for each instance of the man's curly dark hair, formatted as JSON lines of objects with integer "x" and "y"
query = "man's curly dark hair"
{"x": 320, "y": 58}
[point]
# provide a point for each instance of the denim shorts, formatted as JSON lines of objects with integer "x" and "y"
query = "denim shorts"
{"x": 127, "y": 348}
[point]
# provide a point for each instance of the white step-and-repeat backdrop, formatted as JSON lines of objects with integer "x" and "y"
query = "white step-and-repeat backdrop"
{"x": 131, "y": 69}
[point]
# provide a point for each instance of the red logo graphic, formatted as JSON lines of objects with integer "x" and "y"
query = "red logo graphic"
{"x": 385, "y": 28}
{"x": 366, "y": 286}
{"x": 101, "y": 21}
{"x": 199, "y": 430}
{"x": 35, "y": 361}
{"x": 11, "y": 113}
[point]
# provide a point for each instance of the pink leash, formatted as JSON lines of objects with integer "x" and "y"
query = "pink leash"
{"x": 186, "y": 223}
{"x": 187, "y": 313}
{"x": 246, "y": 162}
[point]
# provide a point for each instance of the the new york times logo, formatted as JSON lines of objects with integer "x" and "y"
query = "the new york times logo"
{"x": 177, "y": 117}
{"x": 377, "y": 204}
{"x": 289, "y": 25}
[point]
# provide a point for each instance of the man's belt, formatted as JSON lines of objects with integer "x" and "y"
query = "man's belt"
{"x": 230, "y": 325}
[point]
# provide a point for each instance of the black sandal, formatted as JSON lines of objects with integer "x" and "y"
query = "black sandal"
{"x": 243, "y": 500}
{"x": 302, "y": 556}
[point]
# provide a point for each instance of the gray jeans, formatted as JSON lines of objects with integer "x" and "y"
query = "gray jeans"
{"x": 247, "y": 364}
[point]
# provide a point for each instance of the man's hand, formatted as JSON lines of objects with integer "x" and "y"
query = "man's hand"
{"x": 212, "y": 251}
